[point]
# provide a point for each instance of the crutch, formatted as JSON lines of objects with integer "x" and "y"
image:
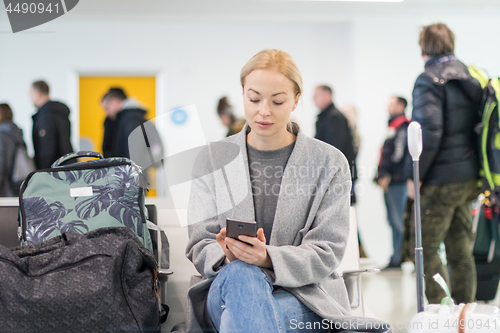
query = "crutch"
{"x": 415, "y": 148}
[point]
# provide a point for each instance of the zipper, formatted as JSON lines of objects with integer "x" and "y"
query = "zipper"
{"x": 68, "y": 168}
{"x": 81, "y": 262}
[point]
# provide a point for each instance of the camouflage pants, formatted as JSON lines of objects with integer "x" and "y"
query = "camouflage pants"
{"x": 447, "y": 217}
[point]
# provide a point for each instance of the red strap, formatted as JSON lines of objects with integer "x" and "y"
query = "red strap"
{"x": 398, "y": 121}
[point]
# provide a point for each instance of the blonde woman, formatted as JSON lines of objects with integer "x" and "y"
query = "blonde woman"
{"x": 297, "y": 192}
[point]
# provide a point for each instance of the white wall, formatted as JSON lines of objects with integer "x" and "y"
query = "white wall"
{"x": 366, "y": 59}
{"x": 201, "y": 62}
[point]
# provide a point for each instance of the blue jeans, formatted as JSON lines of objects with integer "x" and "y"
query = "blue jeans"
{"x": 242, "y": 299}
{"x": 395, "y": 202}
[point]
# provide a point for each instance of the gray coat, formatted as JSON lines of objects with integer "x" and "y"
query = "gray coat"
{"x": 309, "y": 233}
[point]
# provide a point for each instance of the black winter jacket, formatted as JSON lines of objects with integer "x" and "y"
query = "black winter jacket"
{"x": 11, "y": 137}
{"x": 395, "y": 151}
{"x": 332, "y": 127}
{"x": 116, "y": 132}
{"x": 51, "y": 133}
{"x": 446, "y": 102}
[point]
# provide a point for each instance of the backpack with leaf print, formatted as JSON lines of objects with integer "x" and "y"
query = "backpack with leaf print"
{"x": 81, "y": 197}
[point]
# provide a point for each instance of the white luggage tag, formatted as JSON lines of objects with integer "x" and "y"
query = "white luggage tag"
{"x": 81, "y": 192}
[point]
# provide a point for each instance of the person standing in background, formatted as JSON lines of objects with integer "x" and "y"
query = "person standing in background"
{"x": 351, "y": 114}
{"x": 123, "y": 115}
{"x": 391, "y": 176}
{"x": 332, "y": 127}
{"x": 446, "y": 102}
{"x": 11, "y": 137}
{"x": 127, "y": 133}
{"x": 51, "y": 127}
{"x": 226, "y": 115}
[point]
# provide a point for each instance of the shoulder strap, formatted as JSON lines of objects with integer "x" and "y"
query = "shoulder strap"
{"x": 495, "y": 83}
{"x": 489, "y": 107}
{"x": 478, "y": 75}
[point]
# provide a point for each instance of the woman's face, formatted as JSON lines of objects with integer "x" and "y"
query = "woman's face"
{"x": 226, "y": 120}
{"x": 268, "y": 98}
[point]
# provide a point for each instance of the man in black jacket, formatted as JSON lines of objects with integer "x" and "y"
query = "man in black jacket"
{"x": 123, "y": 116}
{"x": 123, "y": 134}
{"x": 446, "y": 103}
{"x": 51, "y": 127}
{"x": 391, "y": 175}
{"x": 332, "y": 127}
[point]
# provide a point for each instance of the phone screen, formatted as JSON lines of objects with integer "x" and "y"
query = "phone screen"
{"x": 235, "y": 227}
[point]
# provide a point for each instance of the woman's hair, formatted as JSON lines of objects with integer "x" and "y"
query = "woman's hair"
{"x": 225, "y": 109}
{"x": 276, "y": 60}
{"x": 5, "y": 113}
{"x": 436, "y": 39}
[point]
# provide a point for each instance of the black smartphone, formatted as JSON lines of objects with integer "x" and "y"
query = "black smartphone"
{"x": 235, "y": 227}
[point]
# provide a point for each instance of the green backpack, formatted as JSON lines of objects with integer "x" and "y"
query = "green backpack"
{"x": 81, "y": 197}
{"x": 490, "y": 132}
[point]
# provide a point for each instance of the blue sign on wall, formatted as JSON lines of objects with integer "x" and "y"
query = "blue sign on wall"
{"x": 179, "y": 117}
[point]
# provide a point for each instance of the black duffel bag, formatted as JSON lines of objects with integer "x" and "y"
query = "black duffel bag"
{"x": 102, "y": 281}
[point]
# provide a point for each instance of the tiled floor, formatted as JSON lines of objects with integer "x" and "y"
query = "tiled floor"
{"x": 391, "y": 296}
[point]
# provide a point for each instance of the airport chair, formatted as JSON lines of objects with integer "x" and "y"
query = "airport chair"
{"x": 9, "y": 225}
{"x": 163, "y": 274}
{"x": 350, "y": 270}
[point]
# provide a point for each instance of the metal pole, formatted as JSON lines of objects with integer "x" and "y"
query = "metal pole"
{"x": 419, "y": 255}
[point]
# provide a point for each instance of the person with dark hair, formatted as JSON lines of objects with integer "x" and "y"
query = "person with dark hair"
{"x": 391, "y": 176}
{"x": 333, "y": 128}
{"x": 51, "y": 127}
{"x": 446, "y": 101}
{"x": 114, "y": 93}
{"x": 226, "y": 115}
{"x": 123, "y": 115}
{"x": 11, "y": 137}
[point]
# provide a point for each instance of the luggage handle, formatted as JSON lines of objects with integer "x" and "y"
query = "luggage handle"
{"x": 72, "y": 156}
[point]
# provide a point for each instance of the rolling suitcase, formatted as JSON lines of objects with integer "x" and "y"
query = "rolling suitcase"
{"x": 81, "y": 197}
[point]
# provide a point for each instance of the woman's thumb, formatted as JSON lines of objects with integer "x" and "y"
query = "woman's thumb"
{"x": 260, "y": 235}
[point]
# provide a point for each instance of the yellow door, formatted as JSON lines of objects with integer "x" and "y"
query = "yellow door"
{"x": 92, "y": 115}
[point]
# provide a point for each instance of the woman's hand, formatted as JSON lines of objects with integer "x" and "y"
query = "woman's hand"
{"x": 221, "y": 239}
{"x": 255, "y": 255}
